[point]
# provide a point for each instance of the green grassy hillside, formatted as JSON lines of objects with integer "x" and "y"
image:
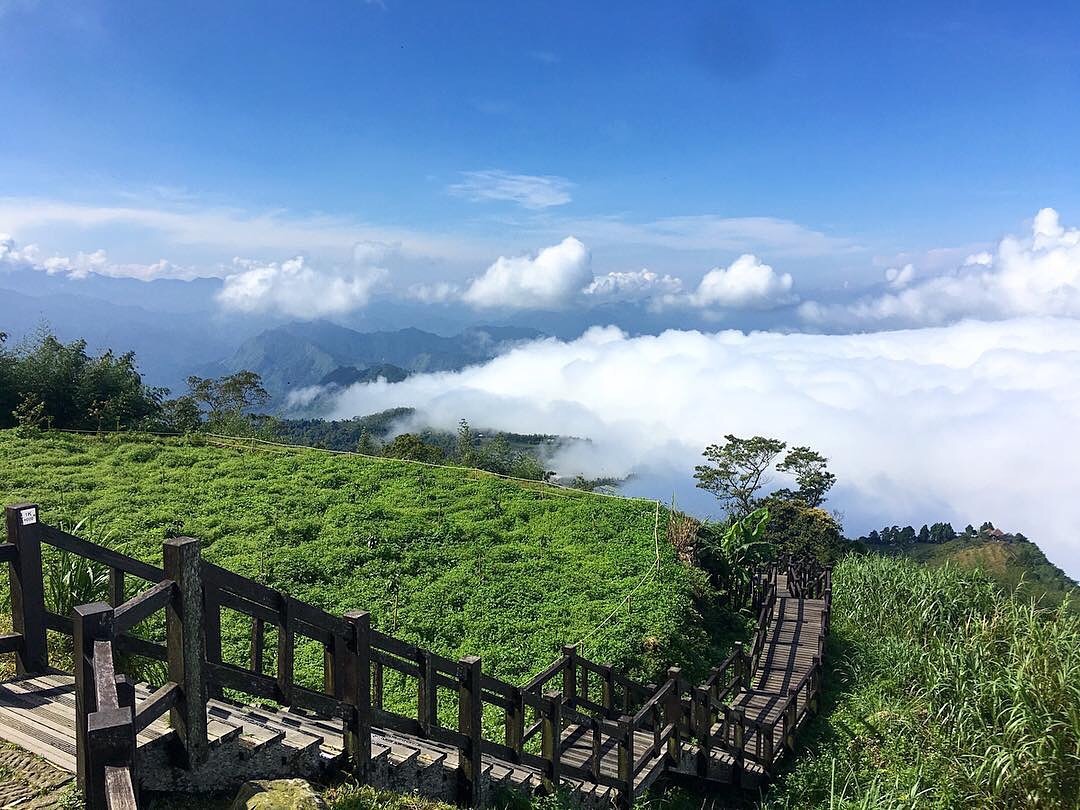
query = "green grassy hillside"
{"x": 940, "y": 692}
{"x": 1018, "y": 565}
{"x": 459, "y": 561}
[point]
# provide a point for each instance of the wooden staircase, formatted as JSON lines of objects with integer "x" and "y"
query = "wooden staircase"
{"x": 579, "y": 726}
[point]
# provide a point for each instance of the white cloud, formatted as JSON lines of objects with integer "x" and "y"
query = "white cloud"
{"x": 709, "y": 232}
{"x": 297, "y": 289}
{"x": 899, "y": 277}
{"x": 1038, "y": 275}
{"x": 31, "y": 258}
{"x": 438, "y": 292}
{"x": 534, "y": 192}
{"x": 971, "y": 422}
{"x": 238, "y": 231}
{"x": 551, "y": 279}
{"x": 635, "y": 285}
{"x": 747, "y": 283}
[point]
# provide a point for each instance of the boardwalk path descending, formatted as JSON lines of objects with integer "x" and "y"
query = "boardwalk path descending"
{"x": 580, "y": 726}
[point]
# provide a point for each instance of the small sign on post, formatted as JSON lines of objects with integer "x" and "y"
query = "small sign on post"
{"x": 28, "y": 516}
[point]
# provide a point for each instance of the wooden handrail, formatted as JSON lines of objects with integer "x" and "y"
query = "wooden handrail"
{"x": 606, "y": 706}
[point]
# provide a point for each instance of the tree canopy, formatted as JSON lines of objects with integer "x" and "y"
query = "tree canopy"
{"x": 48, "y": 383}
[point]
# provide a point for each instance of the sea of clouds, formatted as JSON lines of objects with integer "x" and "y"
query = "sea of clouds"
{"x": 968, "y": 422}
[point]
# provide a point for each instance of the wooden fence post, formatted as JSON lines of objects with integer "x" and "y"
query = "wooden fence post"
{"x": 569, "y": 689}
{"x": 286, "y": 648}
{"x": 551, "y": 736}
{"x": 427, "y": 700}
{"x": 626, "y": 763}
{"x": 111, "y": 739}
{"x": 184, "y": 639}
{"x": 741, "y": 669}
{"x": 702, "y": 728}
{"x": 116, "y": 587}
{"x": 90, "y": 623}
{"x": 607, "y": 690}
{"x": 470, "y": 724}
{"x": 27, "y": 589}
{"x": 358, "y": 696}
{"x": 515, "y": 723}
{"x": 791, "y": 720}
{"x": 673, "y": 714}
{"x": 738, "y": 730}
{"x": 212, "y": 637}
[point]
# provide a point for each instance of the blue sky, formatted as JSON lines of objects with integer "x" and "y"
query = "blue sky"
{"x": 888, "y": 128}
{"x": 849, "y": 169}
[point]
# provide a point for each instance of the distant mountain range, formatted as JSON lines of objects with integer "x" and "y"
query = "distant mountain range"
{"x": 176, "y": 329}
{"x": 302, "y": 354}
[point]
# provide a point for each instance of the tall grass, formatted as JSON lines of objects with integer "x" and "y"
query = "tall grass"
{"x": 945, "y": 693}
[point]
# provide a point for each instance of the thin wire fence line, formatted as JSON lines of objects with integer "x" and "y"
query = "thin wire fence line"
{"x": 650, "y": 574}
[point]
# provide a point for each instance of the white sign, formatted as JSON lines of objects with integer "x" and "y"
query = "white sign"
{"x": 28, "y": 516}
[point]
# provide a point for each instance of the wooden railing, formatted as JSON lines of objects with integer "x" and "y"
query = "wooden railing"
{"x": 599, "y": 704}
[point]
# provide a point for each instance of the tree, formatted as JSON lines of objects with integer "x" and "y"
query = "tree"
{"x": 410, "y": 446}
{"x": 366, "y": 443}
{"x": 808, "y": 468}
{"x": 796, "y": 528}
{"x": 229, "y": 401}
{"x": 466, "y": 444}
{"x": 737, "y": 470}
{"x": 73, "y": 388}
{"x": 180, "y": 415}
{"x": 924, "y": 534}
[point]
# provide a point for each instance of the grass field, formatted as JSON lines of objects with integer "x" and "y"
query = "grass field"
{"x": 942, "y": 691}
{"x": 461, "y": 562}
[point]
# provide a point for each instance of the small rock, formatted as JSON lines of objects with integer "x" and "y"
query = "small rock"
{"x": 278, "y": 794}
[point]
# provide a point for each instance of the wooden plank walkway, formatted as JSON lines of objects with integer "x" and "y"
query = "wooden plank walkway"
{"x": 594, "y": 730}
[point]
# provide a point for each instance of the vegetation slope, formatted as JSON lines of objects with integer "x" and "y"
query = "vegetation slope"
{"x": 459, "y": 561}
{"x": 1018, "y": 565}
{"x": 942, "y": 691}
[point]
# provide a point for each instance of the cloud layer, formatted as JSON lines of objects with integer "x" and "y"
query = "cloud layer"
{"x": 31, "y": 258}
{"x": 969, "y": 422}
{"x": 1036, "y": 275}
{"x": 297, "y": 289}
{"x": 748, "y": 283}
{"x": 550, "y": 279}
{"x": 534, "y": 192}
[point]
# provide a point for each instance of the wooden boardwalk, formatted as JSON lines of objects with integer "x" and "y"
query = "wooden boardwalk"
{"x": 578, "y": 725}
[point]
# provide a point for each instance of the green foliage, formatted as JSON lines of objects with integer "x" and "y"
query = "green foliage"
{"x": 730, "y": 553}
{"x": 808, "y": 468}
{"x": 797, "y": 528}
{"x": 49, "y": 383}
{"x": 942, "y": 692}
{"x": 71, "y": 580}
{"x": 410, "y": 446}
{"x": 466, "y": 445}
{"x": 737, "y": 469}
{"x": 228, "y": 402}
{"x": 458, "y": 561}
